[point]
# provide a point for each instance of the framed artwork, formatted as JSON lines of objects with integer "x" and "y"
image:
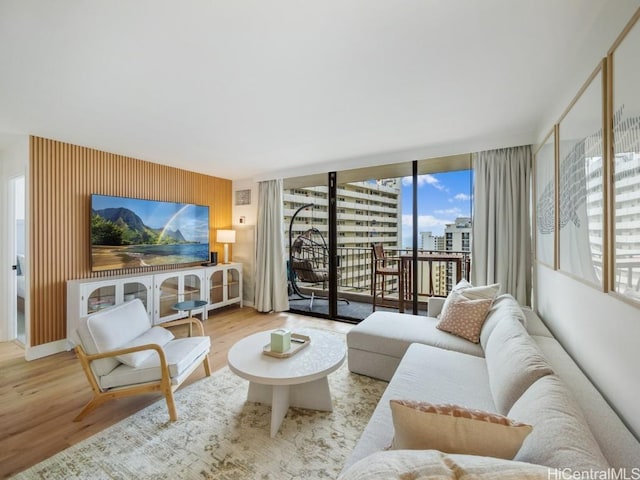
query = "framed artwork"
{"x": 545, "y": 201}
{"x": 581, "y": 198}
{"x": 243, "y": 197}
{"x": 624, "y": 61}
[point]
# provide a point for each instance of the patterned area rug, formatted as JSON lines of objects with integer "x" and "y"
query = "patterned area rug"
{"x": 219, "y": 435}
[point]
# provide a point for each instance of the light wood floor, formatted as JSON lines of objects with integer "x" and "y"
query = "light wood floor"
{"x": 39, "y": 399}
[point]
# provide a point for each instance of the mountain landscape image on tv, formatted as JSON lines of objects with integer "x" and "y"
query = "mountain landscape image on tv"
{"x": 131, "y": 232}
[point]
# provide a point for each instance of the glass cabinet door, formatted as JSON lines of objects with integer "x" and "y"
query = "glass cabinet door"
{"x": 169, "y": 296}
{"x": 101, "y": 297}
{"x": 135, "y": 289}
{"x": 216, "y": 287}
{"x": 233, "y": 284}
{"x": 192, "y": 287}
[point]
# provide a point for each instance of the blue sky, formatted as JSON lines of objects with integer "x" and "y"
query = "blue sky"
{"x": 442, "y": 197}
{"x": 191, "y": 220}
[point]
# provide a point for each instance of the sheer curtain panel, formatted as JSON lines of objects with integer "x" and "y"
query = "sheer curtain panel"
{"x": 501, "y": 251}
{"x": 271, "y": 272}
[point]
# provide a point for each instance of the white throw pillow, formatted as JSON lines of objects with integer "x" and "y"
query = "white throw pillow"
{"x": 158, "y": 335}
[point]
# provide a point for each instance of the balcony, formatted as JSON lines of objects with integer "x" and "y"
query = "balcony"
{"x": 437, "y": 272}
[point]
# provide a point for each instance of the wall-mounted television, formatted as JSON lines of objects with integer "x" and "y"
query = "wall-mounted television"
{"x": 132, "y": 232}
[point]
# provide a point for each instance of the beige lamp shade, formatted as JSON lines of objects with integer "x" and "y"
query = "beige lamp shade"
{"x": 226, "y": 237}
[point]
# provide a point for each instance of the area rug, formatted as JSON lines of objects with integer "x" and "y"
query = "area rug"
{"x": 219, "y": 435}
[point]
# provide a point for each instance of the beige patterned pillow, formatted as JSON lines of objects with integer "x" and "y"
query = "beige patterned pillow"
{"x": 464, "y": 317}
{"x": 454, "y": 429}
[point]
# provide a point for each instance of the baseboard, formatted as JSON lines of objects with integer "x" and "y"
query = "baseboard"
{"x": 39, "y": 351}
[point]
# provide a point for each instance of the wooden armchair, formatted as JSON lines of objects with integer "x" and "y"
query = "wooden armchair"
{"x": 122, "y": 354}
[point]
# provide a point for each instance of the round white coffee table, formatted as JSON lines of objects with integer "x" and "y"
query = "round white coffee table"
{"x": 297, "y": 381}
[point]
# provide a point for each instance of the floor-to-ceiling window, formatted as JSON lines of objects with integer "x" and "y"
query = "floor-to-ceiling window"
{"x": 419, "y": 213}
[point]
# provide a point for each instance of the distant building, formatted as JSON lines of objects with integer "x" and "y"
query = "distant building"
{"x": 431, "y": 241}
{"x": 458, "y": 235}
{"x": 457, "y": 238}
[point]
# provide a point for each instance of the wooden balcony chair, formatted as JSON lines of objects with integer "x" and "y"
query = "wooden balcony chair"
{"x": 122, "y": 354}
{"x": 383, "y": 267}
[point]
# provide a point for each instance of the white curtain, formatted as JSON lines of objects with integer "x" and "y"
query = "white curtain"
{"x": 271, "y": 270}
{"x": 501, "y": 251}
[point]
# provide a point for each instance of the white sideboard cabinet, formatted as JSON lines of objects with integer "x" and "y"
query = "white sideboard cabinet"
{"x": 219, "y": 285}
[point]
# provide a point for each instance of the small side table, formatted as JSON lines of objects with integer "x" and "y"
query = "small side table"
{"x": 188, "y": 306}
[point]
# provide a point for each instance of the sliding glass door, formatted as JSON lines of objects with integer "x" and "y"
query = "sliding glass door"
{"x": 383, "y": 238}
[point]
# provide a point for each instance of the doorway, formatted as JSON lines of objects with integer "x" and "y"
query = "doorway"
{"x": 18, "y": 255}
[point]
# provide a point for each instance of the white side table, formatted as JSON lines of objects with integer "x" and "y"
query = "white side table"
{"x": 298, "y": 381}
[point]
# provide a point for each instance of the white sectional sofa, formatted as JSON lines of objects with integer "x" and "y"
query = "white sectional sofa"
{"x": 523, "y": 374}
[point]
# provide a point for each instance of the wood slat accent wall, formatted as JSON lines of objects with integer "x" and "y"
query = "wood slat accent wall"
{"x": 62, "y": 178}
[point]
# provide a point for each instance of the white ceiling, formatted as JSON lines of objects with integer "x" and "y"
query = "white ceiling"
{"x": 253, "y": 88}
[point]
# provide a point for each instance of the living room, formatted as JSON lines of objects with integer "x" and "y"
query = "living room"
{"x": 53, "y": 129}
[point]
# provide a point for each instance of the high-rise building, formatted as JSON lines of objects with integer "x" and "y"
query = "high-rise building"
{"x": 367, "y": 212}
{"x": 456, "y": 238}
{"x": 458, "y": 235}
{"x": 431, "y": 242}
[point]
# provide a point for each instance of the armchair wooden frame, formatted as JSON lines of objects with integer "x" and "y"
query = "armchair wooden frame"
{"x": 163, "y": 385}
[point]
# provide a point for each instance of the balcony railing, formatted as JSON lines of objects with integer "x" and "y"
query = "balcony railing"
{"x": 438, "y": 272}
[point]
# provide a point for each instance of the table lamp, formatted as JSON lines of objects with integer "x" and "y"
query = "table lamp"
{"x": 226, "y": 237}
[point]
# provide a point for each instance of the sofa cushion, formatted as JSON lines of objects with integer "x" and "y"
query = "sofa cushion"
{"x": 514, "y": 362}
{"x": 560, "y": 438}
{"x": 433, "y": 375}
{"x": 455, "y": 429}
{"x": 432, "y": 464}
{"x": 504, "y": 306}
{"x": 464, "y": 317}
{"x": 619, "y": 446}
{"x": 157, "y": 335}
{"x": 180, "y": 353}
{"x": 391, "y": 333}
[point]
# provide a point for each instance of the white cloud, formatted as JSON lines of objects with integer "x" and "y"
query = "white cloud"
{"x": 426, "y": 223}
{"x": 449, "y": 211}
{"x": 426, "y": 179}
{"x": 463, "y": 197}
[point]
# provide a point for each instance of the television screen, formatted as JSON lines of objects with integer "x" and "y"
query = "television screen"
{"x": 131, "y": 232}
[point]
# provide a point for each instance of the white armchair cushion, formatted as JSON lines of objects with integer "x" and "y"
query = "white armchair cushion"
{"x": 158, "y": 335}
{"x": 115, "y": 326}
{"x": 181, "y": 354}
{"x": 111, "y": 328}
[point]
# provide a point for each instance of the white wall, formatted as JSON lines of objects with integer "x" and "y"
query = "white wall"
{"x": 600, "y": 332}
{"x": 14, "y": 159}
{"x": 244, "y": 249}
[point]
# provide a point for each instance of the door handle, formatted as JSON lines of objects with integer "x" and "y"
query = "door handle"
{"x": 14, "y": 267}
